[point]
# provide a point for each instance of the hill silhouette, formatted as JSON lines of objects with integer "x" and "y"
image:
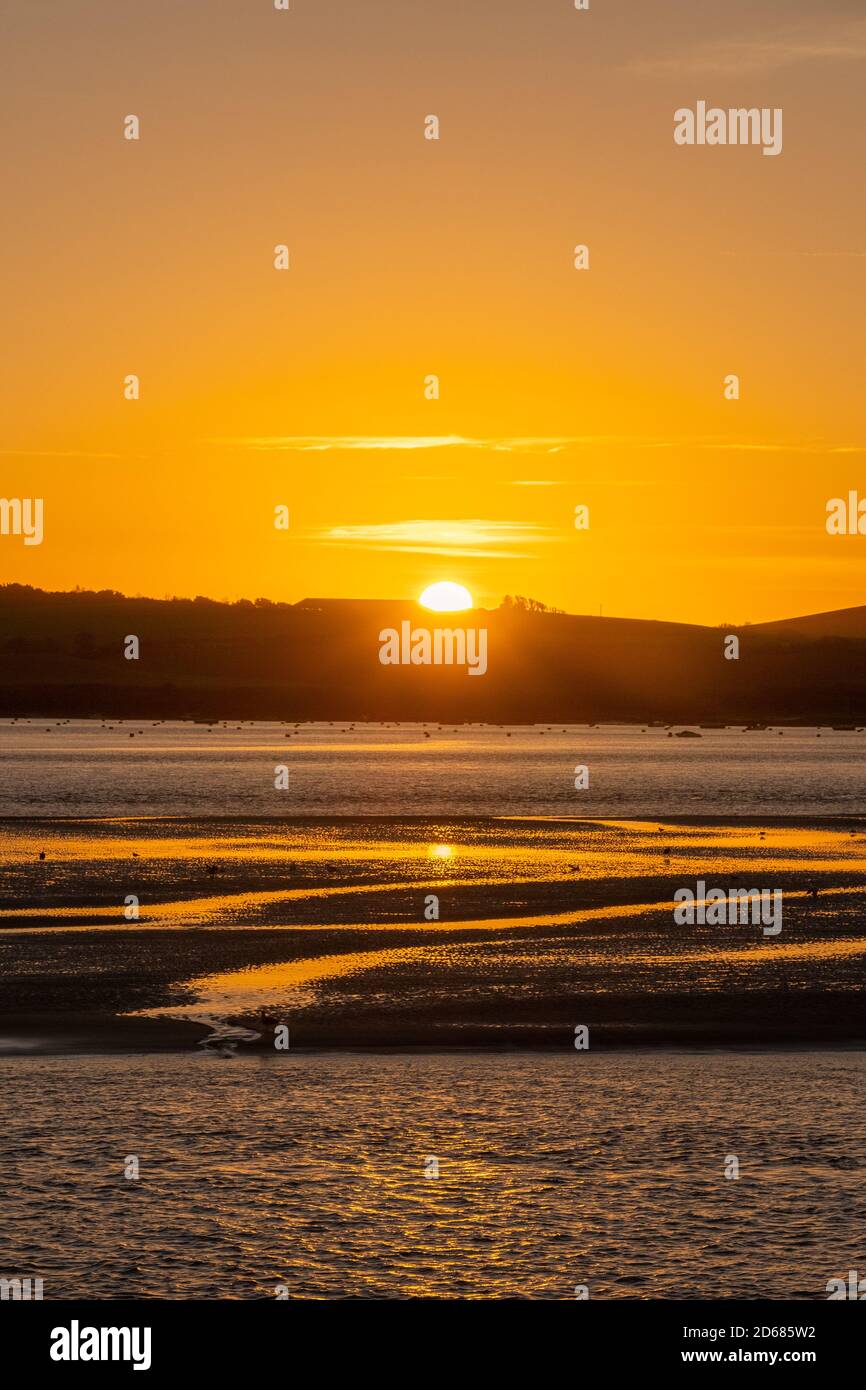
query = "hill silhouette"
{"x": 61, "y": 655}
{"x": 844, "y": 622}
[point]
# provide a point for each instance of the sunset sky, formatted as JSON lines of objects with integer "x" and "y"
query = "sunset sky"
{"x": 410, "y": 257}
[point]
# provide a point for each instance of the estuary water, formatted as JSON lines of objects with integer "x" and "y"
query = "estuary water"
{"x": 307, "y": 1175}
{"x": 134, "y": 768}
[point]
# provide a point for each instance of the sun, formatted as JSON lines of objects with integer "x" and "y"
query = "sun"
{"x": 446, "y": 597}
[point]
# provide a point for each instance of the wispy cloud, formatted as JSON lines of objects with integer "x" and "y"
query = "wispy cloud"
{"x": 826, "y": 38}
{"x": 528, "y": 444}
{"x": 324, "y": 443}
{"x": 782, "y": 448}
{"x": 471, "y": 539}
{"x": 776, "y": 251}
{"x": 55, "y": 454}
{"x": 578, "y": 482}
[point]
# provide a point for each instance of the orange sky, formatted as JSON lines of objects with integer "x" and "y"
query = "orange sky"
{"x": 454, "y": 257}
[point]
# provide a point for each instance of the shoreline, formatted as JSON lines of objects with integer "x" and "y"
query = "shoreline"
{"x": 807, "y": 820}
{"x": 37, "y": 1035}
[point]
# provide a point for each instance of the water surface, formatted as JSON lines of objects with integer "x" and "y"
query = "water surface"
{"x": 123, "y": 768}
{"x": 554, "y": 1170}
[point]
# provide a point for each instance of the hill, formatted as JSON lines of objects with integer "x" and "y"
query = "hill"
{"x": 62, "y": 654}
{"x": 844, "y": 622}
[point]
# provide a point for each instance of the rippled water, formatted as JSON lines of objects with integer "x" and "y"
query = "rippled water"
{"x": 140, "y": 768}
{"x": 308, "y": 1171}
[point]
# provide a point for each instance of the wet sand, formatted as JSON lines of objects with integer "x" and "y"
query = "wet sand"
{"x": 325, "y": 928}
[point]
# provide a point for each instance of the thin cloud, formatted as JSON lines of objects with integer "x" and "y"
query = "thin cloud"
{"x": 470, "y": 539}
{"x": 817, "y": 42}
{"x": 773, "y": 448}
{"x": 55, "y": 454}
{"x": 578, "y": 482}
{"x": 322, "y": 443}
{"x": 526, "y": 444}
{"x": 775, "y": 252}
